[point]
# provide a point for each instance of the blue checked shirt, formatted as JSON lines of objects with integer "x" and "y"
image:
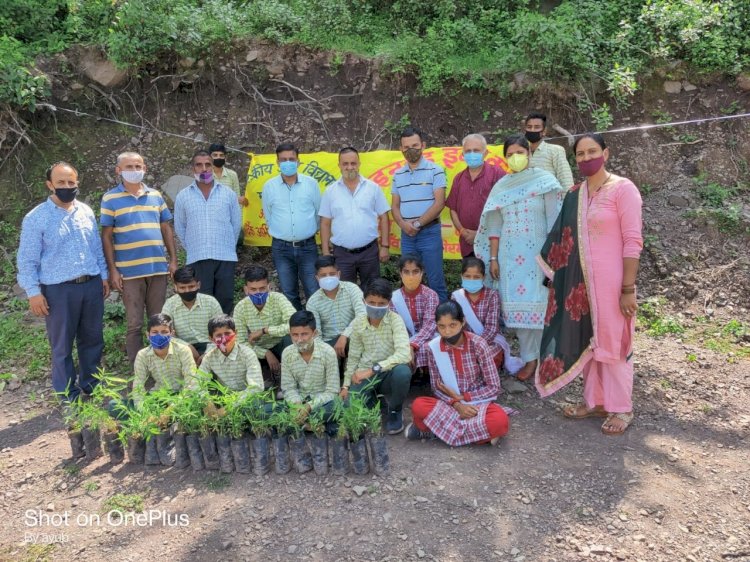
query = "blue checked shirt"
{"x": 58, "y": 245}
{"x": 208, "y": 228}
{"x": 291, "y": 212}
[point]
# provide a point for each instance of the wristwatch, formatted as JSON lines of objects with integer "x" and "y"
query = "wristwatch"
{"x": 416, "y": 224}
{"x": 376, "y": 369}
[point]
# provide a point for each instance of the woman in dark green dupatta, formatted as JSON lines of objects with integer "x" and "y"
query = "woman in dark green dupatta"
{"x": 591, "y": 261}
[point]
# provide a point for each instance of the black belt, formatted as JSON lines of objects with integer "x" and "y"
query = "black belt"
{"x": 296, "y": 244}
{"x": 359, "y": 250}
{"x": 79, "y": 280}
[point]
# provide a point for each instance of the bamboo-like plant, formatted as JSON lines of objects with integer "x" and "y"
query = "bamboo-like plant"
{"x": 186, "y": 410}
{"x": 282, "y": 420}
{"x": 316, "y": 420}
{"x": 353, "y": 416}
{"x": 372, "y": 420}
{"x": 260, "y": 423}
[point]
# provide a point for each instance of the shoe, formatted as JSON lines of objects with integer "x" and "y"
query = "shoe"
{"x": 412, "y": 433}
{"x": 394, "y": 423}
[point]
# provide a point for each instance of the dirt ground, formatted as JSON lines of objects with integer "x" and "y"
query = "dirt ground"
{"x": 675, "y": 487}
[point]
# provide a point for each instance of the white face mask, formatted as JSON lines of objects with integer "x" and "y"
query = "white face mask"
{"x": 133, "y": 176}
{"x": 329, "y": 283}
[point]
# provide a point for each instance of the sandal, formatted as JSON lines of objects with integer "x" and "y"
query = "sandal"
{"x": 580, "y": 411}
{"x": 626, "y": 418}
{"x": 524, "y": 374}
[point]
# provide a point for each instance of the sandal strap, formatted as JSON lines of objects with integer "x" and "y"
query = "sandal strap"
{"x": 622, "y": 416}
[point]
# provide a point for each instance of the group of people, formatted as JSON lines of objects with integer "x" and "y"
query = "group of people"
{"x": 553, "y": 261}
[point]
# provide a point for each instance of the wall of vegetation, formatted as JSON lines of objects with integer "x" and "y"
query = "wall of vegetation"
{"x": 472, "y": 44}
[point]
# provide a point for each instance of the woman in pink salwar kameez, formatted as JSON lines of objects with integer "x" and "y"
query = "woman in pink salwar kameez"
{"x": 591, "y": 261}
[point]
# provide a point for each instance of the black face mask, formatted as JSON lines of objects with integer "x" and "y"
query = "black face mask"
{"x": 219, "y": 162}
{"x": 188, "y": 296}
{"x": 453, "y": 340}
{"x": 533, "y": 136}
{"x": 66, "y": 195}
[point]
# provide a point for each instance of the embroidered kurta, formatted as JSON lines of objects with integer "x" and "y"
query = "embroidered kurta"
{"x": 520, "y": 211}
{"x": 421, "y": 304}
{"x": 477, "y": 379}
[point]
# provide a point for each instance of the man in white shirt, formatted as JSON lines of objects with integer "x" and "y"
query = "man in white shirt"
{"x": 354, "y": 224}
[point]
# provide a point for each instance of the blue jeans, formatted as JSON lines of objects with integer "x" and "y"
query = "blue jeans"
{"x": 294, "y": 264}
{"x": 76, "y": 314}
{"x": 428, "y": 245}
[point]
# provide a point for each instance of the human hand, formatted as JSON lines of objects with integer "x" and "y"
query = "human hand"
{"x": 469, "y": 235}
{"x": 344, "y": 393}
{"x": 38, "y": 305}
{"x": 384, "y": 255}
{"x": 243, "y": 201}
{"x": 115, "y": 280}
{"x": 105, "y": 288}
{"x": 441, "y": 386}
{"x": 494, "y": 269}
{"x": 408, "y": 228}
{"x": 340, "y": 346}
{"x": 465, "y": 411}
{"x": 359, "y": 376}
{"x": 273, "y": 363}
{"x": 171, "y": 268}
{"x": 255, "y": 336}
{"x": 628, "y": 305}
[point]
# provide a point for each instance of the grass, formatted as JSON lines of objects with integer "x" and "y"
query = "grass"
{"x": 216, "y": 482}
{"x": 123, "y": 503}
{"x": 72, "y": 469}
{"x": 23, "y": 347}
{"x": 37, "y": 553}
{"x": 91, "y": 487}
{"x": 655, "y": 323}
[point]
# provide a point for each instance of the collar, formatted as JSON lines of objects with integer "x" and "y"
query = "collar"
{"x": 445, "y": 347}
{"x": 232, "y": 356}
{"x": 72, "y": 209}
{"x": 479, "y": 175}
{"x": 196, "y": 303}
{"x": 414, "y": 294}
{"x": 421, "y": 165}
{"x": 214, "y": 184}
{"x": 120, "y": 188}
{"x": 170, "y": 350}
{"x": 385, "y": 319}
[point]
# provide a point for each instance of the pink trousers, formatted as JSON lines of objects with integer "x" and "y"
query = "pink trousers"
{"x": 609, "y": 385}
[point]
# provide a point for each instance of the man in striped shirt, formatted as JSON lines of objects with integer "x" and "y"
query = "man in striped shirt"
{"x": 549, "y": 157}
{"x": 231, "y": 362}
{"x": 417, "y": 198}
{"x": 136, "y": 236}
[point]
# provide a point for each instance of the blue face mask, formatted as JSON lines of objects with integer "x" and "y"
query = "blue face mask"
{"x": 472, "y": 285}
{"x": 258, "y": 299}
{"x": 159, "y": 341}
{"x": 288, "y": 168}
{"x": 473, "y": 159}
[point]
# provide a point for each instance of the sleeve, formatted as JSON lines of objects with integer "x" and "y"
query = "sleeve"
{"x": 428, "y": 325}
{"x": 452, "y": 200}
{"x": 140, "y": 377}
{"x": 358, "y": 303}
{"x": 107, "y": 214}
{"x": 355, "y": 354}
{"x": 629, "y": 209}
{"x": 381, "y": 203}
{"x": 331, "y": 366}
{"x": 435, "y": 378}
{"x": 288, "y": 384}
{"x": 487, "y": 370}
{"x": 266, "y": 200}
{"x": 187, "y": 363}
{"x": 241, "y": 321}
{"x": 180, "y": 216}
{"x": 401, "y": 348}
{"x": 29, "y": 258}
{"x": 311, "y": 307}
{"x": 494, "y": 224}
{"x": 253, "y": 373}
{"x": 552, "y": 205}
{"x": 235, "y": 215}
{"x": 233, "y": 182}
{"x": 167, "y": 308}
{"x": 96, "y": 247}
{"x": 164, "y": 213}
{"x": 491, "y": 321}
{"x": 325, "y": 204}
{"x": 316, "y": 202}
{"x": 286, "y": 310}
{"x": 438, "y": 179}
{"x": 563, "y": 173}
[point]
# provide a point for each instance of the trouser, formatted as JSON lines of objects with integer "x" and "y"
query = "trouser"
{"x": 137, "y": 294}
{"x": 200, "y": 347}
{"x": 530, "y": 342}
{"x": 496, "y": 420}
{"x": 393, "y": 385}
{"x": 269, "y": 378}
{"x": 366, "y": 264}
{"x": 295, "y": 264}
{"x": 609, "y": 385}
{"x": 76, "y": 313}
{"x": 341, "y": 360}
{"x": 428, "y": 245}
{"x": 217, "y": 279}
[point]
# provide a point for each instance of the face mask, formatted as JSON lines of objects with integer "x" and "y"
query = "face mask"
{"x": 473, "y": 159}
{"x": 219, "y": 162}
{"x": 66, "y": 195}
{"x": 412, "y": 282}
{"x": 133, "y": 176}
{"x": 258, "y": 299}
{"x": 376, "y": 312}
{"x": 518, "y": 162}
{"x": 590, "y": 167}
{"x": 288, "y": 169}
{"x": 188, "y": 296}
{"x": 304, "y": 346}
{"x": 204, "y": 177}
{"x": 350, "y": 175}
{"x": 159, "y": 341}
{"x": 328, "y": 283}
{"x": 472, "y": 285}
{"x": 533, "y": 136}
{"x": 222, "y": 342}
{"x": 413, "y": 155}
{"x": 453, "y": 340}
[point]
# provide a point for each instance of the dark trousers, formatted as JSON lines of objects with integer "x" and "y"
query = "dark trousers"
{"x": 139, "y": 293}
{"x": 270, "y": 379}
{"x": 365, "y": 264}
{"x": 341, "y": 360}
{"x": 393, "y": 385}
{"x": 217, "y": 279}
{"x": 295, "y": 264}
{"x": 76, "y": 313}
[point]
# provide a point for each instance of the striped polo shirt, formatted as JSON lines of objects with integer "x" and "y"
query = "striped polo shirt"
{"x": 416, "y": 187}
{"x": 136, "y": 224}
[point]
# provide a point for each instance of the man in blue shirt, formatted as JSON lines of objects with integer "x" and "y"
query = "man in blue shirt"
{"x": 291, "y": 202}
{"x": 417, "y": 198}
{"x": 207, "y": 220}
{"x": 61, "y": 267}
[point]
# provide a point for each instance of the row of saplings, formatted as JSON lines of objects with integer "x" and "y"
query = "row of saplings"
{"x": 217, "y": 429}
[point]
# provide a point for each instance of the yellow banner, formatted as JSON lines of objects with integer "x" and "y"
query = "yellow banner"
{"x": 378, "y": 166}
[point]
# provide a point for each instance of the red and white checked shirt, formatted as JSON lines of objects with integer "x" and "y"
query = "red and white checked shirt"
{"x": 421, "y": 304}
{"x": 487, "y": 309}
{"x": 477, "y": 378}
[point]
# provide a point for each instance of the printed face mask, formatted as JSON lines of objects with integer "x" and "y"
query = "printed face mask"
{"x": 413, "y": 154}
{"x": 453, "y": 340}
{"x": 329, "y": 283}
{"x": 204, "y": 177}
{"x": 376, "y": 312}
{"x": 258, "y": 299}
{"x": 518, "y": 162}
{"x": 159, "y": 341}
{"x": 222, "y": 342}
{"x": 473, "y": 159}
{"x": 533, "y": 136}
{"x": 133, "y": 176}
{"x": 472, "y": 285}
{"x": 66, "y": 195}
{"x": 589, "y": 167}
{"x": 288, "y": 169}
{"x": 188, "y": 296}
